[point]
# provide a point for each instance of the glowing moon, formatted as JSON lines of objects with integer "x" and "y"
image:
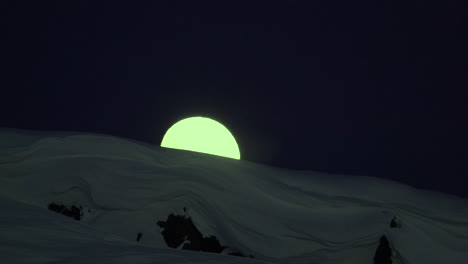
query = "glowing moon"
{"x": 202, "y": 134}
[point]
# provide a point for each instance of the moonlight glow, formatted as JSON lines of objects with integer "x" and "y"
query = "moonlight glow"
{"x": 201, "y": 134}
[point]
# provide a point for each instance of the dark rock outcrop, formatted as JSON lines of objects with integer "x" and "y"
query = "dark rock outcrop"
{"x": 70, "y": 211}
{"x": 179, "y": 229}
{"x": 383, "y": 254}
{"x": 139, "y": 235}
{"x": 395, "y": 223}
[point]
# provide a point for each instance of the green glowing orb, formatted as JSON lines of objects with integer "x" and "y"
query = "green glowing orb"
{"x": 202, "y": 134}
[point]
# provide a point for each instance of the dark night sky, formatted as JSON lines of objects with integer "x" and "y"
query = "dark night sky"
{"x": 366, "y": 88}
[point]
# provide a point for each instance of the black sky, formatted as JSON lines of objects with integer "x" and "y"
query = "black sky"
{"x": 373, "y": 88}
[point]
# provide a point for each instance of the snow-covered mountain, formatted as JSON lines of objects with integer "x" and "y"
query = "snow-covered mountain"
{"x": 122, "y": 188}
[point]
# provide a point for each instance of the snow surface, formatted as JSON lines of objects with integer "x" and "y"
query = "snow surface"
{"x": 277, "y": 215}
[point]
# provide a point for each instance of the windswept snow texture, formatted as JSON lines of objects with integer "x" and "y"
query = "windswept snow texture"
{"x": 277, "y": 215}
{"x": 29, "y": 234}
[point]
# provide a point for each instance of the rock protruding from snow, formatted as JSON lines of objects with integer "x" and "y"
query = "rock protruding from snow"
{"x": 139, "y": 235}
{"x": 70, "y": 211}
{"x": 383, "y": 254}
{"x": 178, "y": 228}
{"x": 395, "y": 223}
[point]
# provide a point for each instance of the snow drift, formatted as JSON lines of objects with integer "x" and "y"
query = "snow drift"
{"x": 280, "y": 216}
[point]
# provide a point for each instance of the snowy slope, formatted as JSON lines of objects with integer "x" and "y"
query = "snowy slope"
{"x": 277, "y": 215}
{"x": 30, "y": 234}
